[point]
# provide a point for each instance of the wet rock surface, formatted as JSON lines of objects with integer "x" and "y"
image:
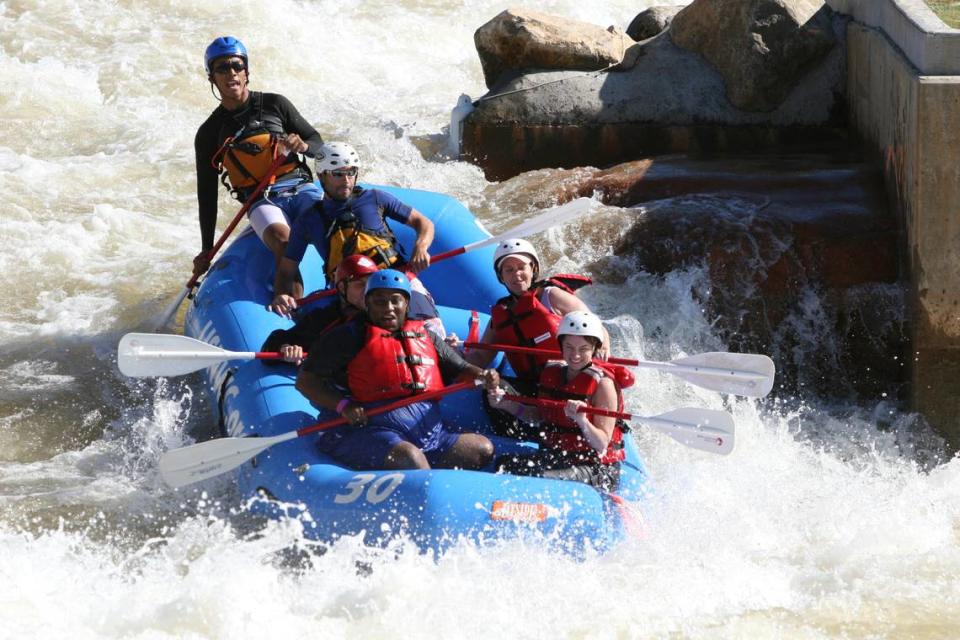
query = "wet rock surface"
{"x": 661, "y": 99}
{"x": 800, "y": 255}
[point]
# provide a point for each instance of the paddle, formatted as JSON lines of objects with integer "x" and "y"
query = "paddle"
{"x": 743, "y": 374}
{"x": 171, "y": 310}
{"x": 160, "y": 354}
{"x": 546, "y": 220}
{"x": 197, "y": 462}
{"x": 705, "y": 429}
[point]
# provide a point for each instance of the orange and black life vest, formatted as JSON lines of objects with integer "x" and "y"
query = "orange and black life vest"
{"x": 524, "y": 321}
{"x": 245, "y": 158}
{"x": 565, "y": 436}
{"x": 393, "y": 364}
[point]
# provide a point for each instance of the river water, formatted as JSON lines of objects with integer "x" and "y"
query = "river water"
{"x": 827, "y": 521}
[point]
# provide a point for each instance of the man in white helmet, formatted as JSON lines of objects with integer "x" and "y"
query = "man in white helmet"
{"x": 349, "y": 220}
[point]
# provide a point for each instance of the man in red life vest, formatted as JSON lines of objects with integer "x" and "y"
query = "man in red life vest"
{"x": 574, "y": 445}
{"x": 381, "y": 356}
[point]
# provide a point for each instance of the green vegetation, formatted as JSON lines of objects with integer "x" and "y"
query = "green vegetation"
{"x": 949, "y": 12}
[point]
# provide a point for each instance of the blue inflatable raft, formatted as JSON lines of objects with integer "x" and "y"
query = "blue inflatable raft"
{"x": 434, "y": 508}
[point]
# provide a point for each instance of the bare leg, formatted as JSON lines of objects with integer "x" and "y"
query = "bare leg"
{"x": 470, "y": 451}
{"x": 406, "y": 455}
{"x": 276, "y": 237}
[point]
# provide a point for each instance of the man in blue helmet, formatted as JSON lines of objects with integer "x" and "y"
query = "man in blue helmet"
{"x": 239, "y": 142}
{"x": 379, "y": 357}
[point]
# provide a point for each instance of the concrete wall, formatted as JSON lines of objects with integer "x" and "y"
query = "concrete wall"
{"x": 911, "y": 117}
{"x": 929, "y": 45}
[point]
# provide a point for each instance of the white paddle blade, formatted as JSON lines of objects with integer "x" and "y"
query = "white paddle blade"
{"x": 552, "y": 218}
{"x": 158, "y": 354}
{"x": 546, "y": 220}
{"x": 180, "y": 467}
{"x": 742, "y": 374}
{"x": 705, "y": 429}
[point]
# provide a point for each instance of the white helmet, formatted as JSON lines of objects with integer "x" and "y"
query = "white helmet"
{"x": 336, "y": 155}
{"x": 581, "y": 323}
{"x": 514, "y": 247}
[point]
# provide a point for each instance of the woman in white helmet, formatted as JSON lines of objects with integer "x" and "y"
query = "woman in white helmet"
{"x": 530, "y": 314}
{"x": 574, "y": 445}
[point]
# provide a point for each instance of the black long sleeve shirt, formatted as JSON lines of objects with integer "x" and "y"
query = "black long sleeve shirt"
{"x": 268, "y": 110}
{"x": 309, "y": 327}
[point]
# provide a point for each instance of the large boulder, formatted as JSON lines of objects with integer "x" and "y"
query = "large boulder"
{"x": 518, "y": 40}
{"x": 661, "y": 99}
{"x": 762, "y": 48}
{"x": 652, "y": 21}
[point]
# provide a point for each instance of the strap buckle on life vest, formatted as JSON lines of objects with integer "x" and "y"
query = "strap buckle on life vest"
{"x": 408, "y": 334}
{"x": 347, "y": 219}
{"x": 416, "y": 360}
{"x": 251, "y": 148}
{"x": 415, "y": 386}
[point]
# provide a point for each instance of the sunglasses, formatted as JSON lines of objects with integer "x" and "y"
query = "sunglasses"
{"x": 233, "y": 65}
{"x": 344, "y": 173}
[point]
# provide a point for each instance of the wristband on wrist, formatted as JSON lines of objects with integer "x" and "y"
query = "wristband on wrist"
{"x": 342, "y": 405}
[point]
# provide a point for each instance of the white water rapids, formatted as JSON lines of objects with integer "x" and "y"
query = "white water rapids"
{"x": 825, "y": 522}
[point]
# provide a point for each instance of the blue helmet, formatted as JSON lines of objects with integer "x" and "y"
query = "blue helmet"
{"x": 222, "y": 47}
{"x": 388, "y": 279}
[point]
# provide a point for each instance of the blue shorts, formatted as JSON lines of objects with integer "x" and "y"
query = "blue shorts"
{"x": 367, "y": 447}
{"x": 292, "y": 197}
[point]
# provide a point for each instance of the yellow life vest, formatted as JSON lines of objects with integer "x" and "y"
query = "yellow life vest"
{"x": 246, "y": 158}
{"x": 347, "y": 237}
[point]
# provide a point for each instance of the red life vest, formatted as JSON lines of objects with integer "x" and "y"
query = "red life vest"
{"x": 393, "y": 364}
{"x": 524, "y": 321}
{"x": 567, "y": 436}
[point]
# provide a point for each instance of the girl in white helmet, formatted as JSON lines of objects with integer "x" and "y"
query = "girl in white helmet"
{"x": 574, "y": 445}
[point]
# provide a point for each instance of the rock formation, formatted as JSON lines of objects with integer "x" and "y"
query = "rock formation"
{"x": 516, "y": 41}
{"x": 762, "y": 48}
{"x": 652, "y": 21}
{"x": 661, "y": 99}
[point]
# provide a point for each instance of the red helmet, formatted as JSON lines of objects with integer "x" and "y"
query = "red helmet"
{"x": 353, "y": 267}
